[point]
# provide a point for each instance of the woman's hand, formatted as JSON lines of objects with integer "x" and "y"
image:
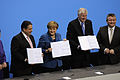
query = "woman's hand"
{"x": 0, "y": 66}
{"x": 4, "y": 65}
{"x": 64, "y": 39}
{"x": 48, "y": 50}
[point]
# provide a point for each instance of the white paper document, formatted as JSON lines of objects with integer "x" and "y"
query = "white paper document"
{"x": 88, "y": 42}
{"x": 34, "y": 55}
{"x": 61, "y": 48}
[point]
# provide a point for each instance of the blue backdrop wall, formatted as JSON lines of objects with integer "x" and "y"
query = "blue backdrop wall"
{"x": 40, "y": 12}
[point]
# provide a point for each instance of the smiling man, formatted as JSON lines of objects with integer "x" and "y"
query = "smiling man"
{"x": 109, "y": 41}
{"x": 81, "y": 26}
{"x": 19, "y": 43}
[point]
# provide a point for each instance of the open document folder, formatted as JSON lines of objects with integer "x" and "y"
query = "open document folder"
{"x": 88, "y": 42}
{"x": 61, "y": 48}
{"x": 34, "y": 55}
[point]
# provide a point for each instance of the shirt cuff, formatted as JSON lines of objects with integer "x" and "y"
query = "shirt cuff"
{"x": 78, "y": 47}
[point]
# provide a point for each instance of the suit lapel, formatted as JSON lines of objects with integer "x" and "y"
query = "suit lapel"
{"x": 57, "y": 37}
{"x": 78, "y": 28}
{"x": 114, "y": 35}
{"x": 87, "y": 29}
{"x": 49, "y": 37}
{"x": 25, "y": 42}
{"x": 106, "y": 34}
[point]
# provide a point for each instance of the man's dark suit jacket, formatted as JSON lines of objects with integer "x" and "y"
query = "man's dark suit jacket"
{"x": 18, "y": 54}
{"x": 103, "y": 40}
{"x": 73, "y": 31}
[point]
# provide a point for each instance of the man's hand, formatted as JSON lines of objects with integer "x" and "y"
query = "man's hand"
{"x": 4, "y": 65}
{"x": 0, "y": 67}
{"x": 112, "y": 51}
{"x": 107, "y": 50}
{"x": 42, "y": 55}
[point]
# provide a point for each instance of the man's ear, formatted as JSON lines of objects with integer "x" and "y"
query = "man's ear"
{"x": 24, "y": 29}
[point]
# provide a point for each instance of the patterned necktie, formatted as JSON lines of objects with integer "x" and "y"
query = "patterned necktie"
{"x": 29, "y": 41}
{"x": 111, "y": 35}
{"x": 83, "y": 29}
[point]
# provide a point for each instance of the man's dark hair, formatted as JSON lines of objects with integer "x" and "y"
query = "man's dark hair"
{"x": 25, "y": 24}
{"x": 111, "y": 14}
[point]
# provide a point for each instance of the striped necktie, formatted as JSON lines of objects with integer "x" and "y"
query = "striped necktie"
{"x": 30, "y": 42}
{"x": 83, "y": 29}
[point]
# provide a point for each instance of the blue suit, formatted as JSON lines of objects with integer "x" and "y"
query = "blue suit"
{"x": 44, "y": 43}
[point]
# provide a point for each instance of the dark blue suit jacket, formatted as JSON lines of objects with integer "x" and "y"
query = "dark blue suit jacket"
{"x": 44, "y": 43}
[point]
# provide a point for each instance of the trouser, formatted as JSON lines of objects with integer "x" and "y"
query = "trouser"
{"x": 80, "y": 60}
{"x": 40, "y": 69}
{"x": 1, "y": 74}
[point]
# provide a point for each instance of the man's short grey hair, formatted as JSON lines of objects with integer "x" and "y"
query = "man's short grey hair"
{"x": 82, "y": 10}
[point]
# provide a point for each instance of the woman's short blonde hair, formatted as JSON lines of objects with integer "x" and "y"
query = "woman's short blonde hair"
{"x": 52, "y": 24}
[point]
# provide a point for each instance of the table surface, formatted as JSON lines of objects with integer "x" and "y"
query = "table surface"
{"x": 115, "y": 76}
{"x": 73, "y": 73}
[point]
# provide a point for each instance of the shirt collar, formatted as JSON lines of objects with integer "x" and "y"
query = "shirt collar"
{"x": 111, "y": 28}
{"x": 24, "y": 34}
{"x": 80, "y": 21}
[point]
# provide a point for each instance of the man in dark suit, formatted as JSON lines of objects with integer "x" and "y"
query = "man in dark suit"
{"x": 19, "y": 43}
{"x": 109, "y": 41}
{"x": 79, "y": 27}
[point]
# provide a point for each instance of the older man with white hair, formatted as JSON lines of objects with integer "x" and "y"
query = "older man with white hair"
{"x": 81, "y": 26}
